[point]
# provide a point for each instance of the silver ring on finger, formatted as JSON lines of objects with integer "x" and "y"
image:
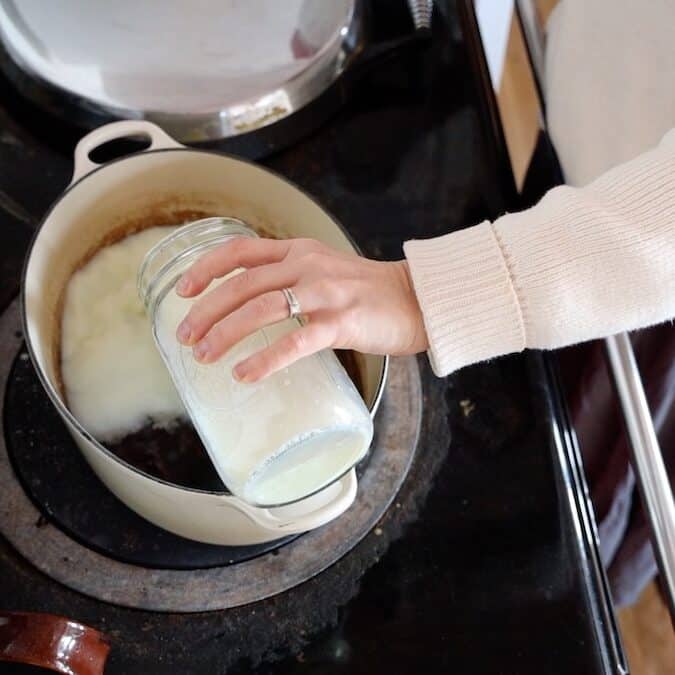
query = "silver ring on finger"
{"x": 294, "y": 309}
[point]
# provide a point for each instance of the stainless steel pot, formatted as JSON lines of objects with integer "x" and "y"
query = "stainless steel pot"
{"x": 166, "y": 184}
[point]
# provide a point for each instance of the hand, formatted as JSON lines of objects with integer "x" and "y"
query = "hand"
{"x": 348, "y": 302}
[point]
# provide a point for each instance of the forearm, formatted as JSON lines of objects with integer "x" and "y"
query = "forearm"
{"x": 583, "y": 263}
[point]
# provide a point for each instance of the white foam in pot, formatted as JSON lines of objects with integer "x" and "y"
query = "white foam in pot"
{"x": 114, "y": 378}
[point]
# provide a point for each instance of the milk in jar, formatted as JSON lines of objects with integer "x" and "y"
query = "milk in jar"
{"x": 272, "y": 442}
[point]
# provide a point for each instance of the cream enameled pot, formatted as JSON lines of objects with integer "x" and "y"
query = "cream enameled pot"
{"x": 168, "y": 184}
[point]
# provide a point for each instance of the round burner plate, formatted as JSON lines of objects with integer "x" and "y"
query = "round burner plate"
{"x": 83, "y": 566}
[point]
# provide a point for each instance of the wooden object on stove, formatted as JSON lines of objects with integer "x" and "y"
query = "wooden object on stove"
{"x": 52, "y": 642}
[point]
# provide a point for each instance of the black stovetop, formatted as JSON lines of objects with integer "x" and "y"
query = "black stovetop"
{"x": 499, "y": 571}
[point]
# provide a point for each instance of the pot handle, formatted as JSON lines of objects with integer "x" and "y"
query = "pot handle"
{"x": 301, "y": 517}
{"x": 113, "y": 131}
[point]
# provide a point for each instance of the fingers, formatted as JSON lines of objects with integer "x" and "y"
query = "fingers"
{"x": 239, "y": 252}
{"x": 232, "y": 294}
{"x": 262, "y": 311}
{"x": 284, "y": 352}
{"x": 252, "y": 299}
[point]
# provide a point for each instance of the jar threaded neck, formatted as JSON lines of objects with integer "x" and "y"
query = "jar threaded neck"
{"x": 165, "y": 261}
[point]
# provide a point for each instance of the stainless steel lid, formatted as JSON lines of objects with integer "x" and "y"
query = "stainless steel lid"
{"x": 202, "y": 69}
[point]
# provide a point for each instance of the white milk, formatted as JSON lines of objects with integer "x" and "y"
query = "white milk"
{"x": 278, "y": 440}
{"x": 272, "y": 442}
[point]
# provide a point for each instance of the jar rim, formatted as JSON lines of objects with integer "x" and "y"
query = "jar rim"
{"x": 198, "y": 236}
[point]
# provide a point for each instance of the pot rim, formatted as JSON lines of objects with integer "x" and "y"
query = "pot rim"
{"x": 56, "y": 400}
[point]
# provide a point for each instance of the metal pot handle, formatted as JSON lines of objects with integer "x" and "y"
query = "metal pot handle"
{"x": 113, "y": 131}
{"x": 296, "y": 518}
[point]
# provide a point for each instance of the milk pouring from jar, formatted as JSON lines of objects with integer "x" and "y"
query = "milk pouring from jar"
{"x": 272, "y": 442}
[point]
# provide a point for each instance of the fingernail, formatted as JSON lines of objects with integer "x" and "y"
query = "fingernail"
{"x": 183, "y": 333}
{"x": 241, "y": 372}
{"x": 183, "y": 286}
{"x": 201, "y": 351}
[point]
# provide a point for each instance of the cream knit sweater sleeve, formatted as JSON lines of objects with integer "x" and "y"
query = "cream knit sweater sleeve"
{"x": 581, "y": 264}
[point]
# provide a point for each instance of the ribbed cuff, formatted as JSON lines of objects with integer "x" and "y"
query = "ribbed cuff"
{"x": 471, "y": 312}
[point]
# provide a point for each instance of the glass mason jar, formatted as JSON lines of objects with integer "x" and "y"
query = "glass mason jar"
{"x": 272, "y": 442}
